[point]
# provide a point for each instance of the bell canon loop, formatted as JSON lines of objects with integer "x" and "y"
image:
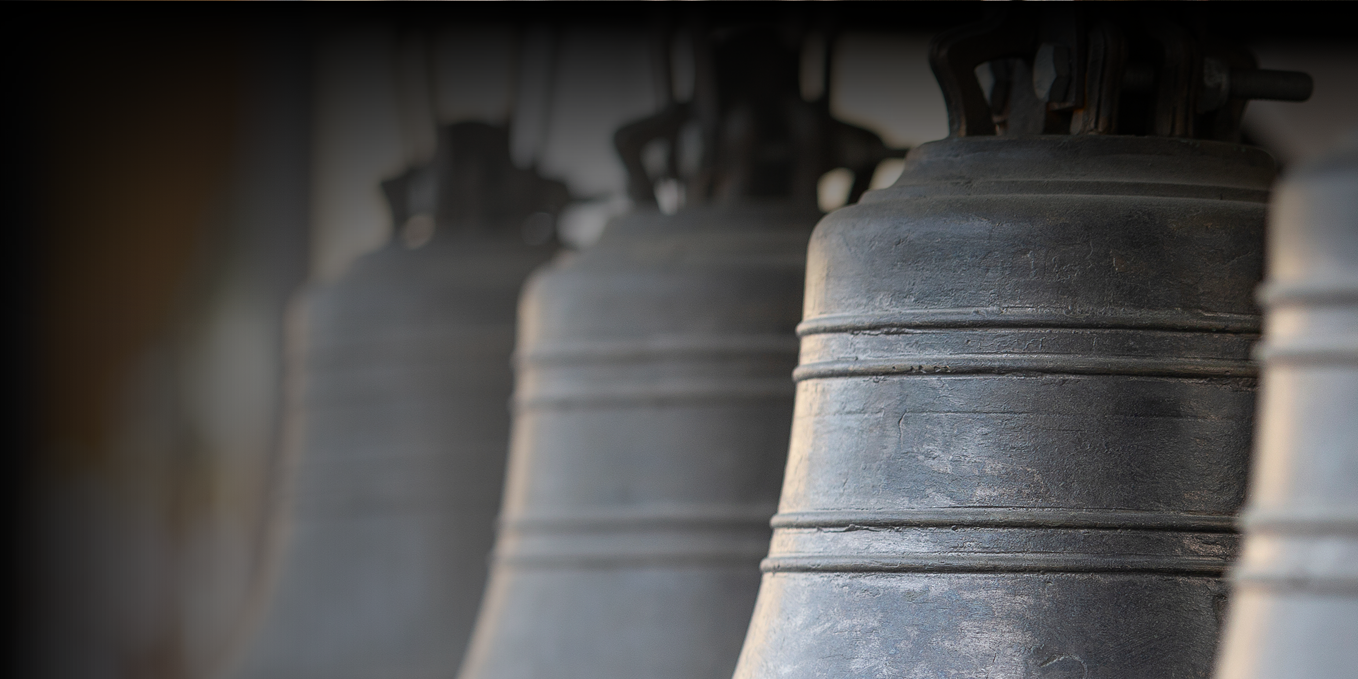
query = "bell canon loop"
{"x": 1025, "y": 394}
{"x": 652, "y": 401}
{"x": 1294, "y": 607}
{"x": 400, "y": 423}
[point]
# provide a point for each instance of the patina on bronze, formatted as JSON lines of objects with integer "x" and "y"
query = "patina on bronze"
{"x": 400, "y": 424}
{"x": 1025, "y": 393}
{"x": 1294, "y": 607}
{"x": 653, "y": 399}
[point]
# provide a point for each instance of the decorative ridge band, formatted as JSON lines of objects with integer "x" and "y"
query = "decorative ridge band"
{"x": 663, "y": 347}
{"x": 1334, "y": 522}
{"x": 684, "y": 557}
{"x": 1014, "y": 317}
{"x": 995, "y": 563}
{"x": 1342, "y": 585}
{"x": 656, "y": 536}
{"x": 712, "y": 518}
{"x": 992, "y": 364}
{"x": 1309, "y": 351}
{"x": 669, "y": 391}
{"x": 1008, "y": 517}
{"x": 1319, "y": 292}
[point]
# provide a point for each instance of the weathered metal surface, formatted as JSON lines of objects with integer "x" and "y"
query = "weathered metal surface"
{"x": 1294, "y": 608}
{"x": 1024, "y": 400}
{"x": 401, "y": 422}
{"x": 653, "y": 399}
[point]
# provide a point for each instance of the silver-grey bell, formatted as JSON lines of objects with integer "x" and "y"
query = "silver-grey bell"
{"x": 1025, "y": 393}
{"x": 402, "y": 420}
{"x": 653, "y": 399}
{"x": 1294, "y": 607}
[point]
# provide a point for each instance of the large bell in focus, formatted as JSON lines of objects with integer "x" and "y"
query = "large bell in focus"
{"x": 1294, "y": 608}
{"x": 1024, "y": 400}
{"x": 401, "y": 422}
{"x": 653, "y": 399}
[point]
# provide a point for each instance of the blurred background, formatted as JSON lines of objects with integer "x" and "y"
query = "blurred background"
{"x": 172, "y": 179}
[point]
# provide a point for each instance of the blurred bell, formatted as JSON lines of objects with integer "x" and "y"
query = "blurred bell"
{"x": 400, "y": 423}
{"x": 653, "y": 399}
{"x": 1294, "y": 609}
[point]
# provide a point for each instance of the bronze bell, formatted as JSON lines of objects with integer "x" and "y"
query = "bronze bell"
{"x": 1294, "y": 607}
{"x": 652, "y": 400}
{"x": 401, "y": 425}
{"x": 1025, "y": 394}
